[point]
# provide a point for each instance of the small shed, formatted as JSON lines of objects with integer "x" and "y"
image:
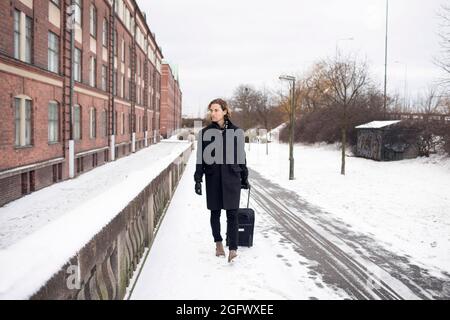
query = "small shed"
{"x": 387, "y": 140}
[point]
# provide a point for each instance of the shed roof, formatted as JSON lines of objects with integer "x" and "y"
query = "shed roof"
{"x": 377, "y": 124}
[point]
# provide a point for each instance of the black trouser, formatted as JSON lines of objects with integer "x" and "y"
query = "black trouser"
{"x": 232, "y": 227}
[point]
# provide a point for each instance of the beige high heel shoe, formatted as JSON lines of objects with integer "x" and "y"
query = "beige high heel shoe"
{"x": 219, "y": 249}
{"x": 231, "y": 255}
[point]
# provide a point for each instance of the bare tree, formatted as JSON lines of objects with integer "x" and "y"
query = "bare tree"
{"x": 244, "y": 101}
{"x": 263, "y": 107}
{"x": 314, "y": 84}
{"x": 345, "y": 81}
{"x": 431, "y": 102}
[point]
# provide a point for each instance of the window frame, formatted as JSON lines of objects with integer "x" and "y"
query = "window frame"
{"x": 105, "y": 122}
{"x": 104, "y": 77}
{"x": 23, "y": 127}
{"x": 78, "y": 12}
{"x": 53, "y": 122}
{"x": 122, "y": 123}
{"x": 77, "y": 123}
{"x": 105, "y": 33}
{"x": 92, "y": 123}
{"x": 77, "y": 65}
{"x": 93, "y": 21}
{"x": 93, "y": 71}
{"x": 53, "y": 53}
{"x": 28, "y": 40}
{"x": 16, "y": 43}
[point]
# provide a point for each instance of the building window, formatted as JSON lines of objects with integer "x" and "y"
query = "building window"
{"x": 123, "y": 51}
{"x": 115, "y": 122}
{"x": 122, "y": 86}
{"x": 78, "y": 11}
{"x": 92, "y": 71}
{"x": 28, "y": 38}
{"x": 116, "y": 43}
{"x": 138, "y": 63}
{"x": 123, "y": 123}
{"x": 17, "y": 34}
{"x": 53, "y": 52}
{"x": 22, "y": 37}
{"x": 130, "y": 55}
{"x": 76, "y": 122}
{"x": 105, "y": 33}
{"x": 115, "y": 83}
{"x": 105, "y": 123}
{"x": 104, "y": 74}
{"x": 92, "y": 122}
{"x": 77, "y": 65}
{"x": 22, "y": 106}
{"x": 93, "y": 21}
{"x": 137, "y": 97}
{"x": 128, "y": 90}
{"x": 53, "y": 122}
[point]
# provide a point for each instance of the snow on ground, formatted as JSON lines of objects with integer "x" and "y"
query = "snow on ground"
{"x": 40, "y": 232}
{"x": 405, "y": 205}
{"x": 182, "y": 262}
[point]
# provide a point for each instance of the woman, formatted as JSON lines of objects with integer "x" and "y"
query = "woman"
{"x": 225, "y": 174}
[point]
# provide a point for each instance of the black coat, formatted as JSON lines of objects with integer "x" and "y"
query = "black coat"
{"x": 223, "y": 180}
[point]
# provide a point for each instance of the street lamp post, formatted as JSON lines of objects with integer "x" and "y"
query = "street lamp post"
{"x": 385, "y": 59}
{"x": 291, "y": 126}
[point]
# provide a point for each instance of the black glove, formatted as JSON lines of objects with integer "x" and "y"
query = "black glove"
{"x": 245, "y": 184}
{"x": 198, "y": 188}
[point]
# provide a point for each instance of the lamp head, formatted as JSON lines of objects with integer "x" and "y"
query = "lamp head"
{"x": 288, "y": 78}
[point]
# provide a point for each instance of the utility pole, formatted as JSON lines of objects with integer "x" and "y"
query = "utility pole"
{"x": 385, "y": 60}
{"x": 72, "y": 25}
{"x": 291, "y": 126}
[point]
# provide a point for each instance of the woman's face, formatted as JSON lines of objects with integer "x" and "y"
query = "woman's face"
{"x": 216, "y": 112}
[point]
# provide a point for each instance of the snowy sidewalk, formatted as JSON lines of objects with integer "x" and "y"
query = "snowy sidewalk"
{"x": 182, "y": 262}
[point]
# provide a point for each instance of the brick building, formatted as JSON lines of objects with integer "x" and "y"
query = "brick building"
{"x": 171, "y": 100}
{"x": 67, "y": 111}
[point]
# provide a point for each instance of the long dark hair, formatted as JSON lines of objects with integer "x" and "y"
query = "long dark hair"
{"x": 224, "y": 105}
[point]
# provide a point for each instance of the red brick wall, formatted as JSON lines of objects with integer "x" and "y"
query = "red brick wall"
{"x": 44, "y": 177}
{"x": 6, "y": 23}
{"x": 170, "y": 102}
{"x": 41, "y": 93}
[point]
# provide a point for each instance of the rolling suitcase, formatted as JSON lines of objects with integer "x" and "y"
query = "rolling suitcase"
{"x": 246, "y": 220}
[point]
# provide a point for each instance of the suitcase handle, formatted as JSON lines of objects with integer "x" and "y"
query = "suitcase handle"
{"x": 248, "y": 200}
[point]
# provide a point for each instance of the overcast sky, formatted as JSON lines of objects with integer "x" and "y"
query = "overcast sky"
{"x": 218, "y": 45}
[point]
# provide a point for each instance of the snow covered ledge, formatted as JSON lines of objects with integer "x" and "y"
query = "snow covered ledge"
{"x": 91, "y": 251}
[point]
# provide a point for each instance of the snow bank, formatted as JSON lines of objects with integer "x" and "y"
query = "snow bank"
{"x": 75, "y": 210}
